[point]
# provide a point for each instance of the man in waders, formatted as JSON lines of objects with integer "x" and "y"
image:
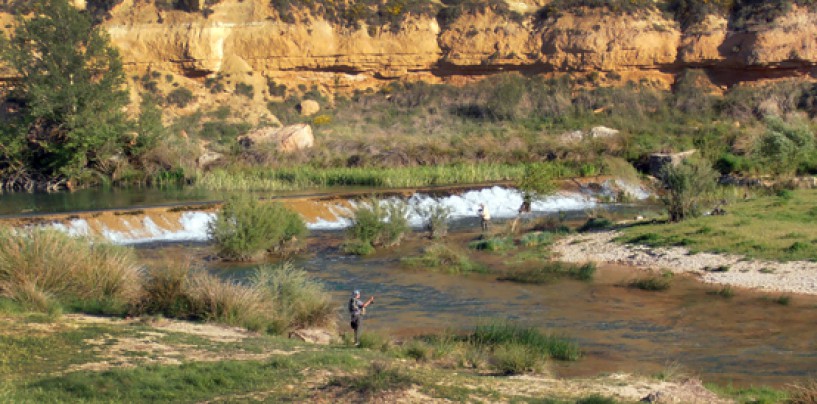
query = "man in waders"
{"x": 357, "y": 309}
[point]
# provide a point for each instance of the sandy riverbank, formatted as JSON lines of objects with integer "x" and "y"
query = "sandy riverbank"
{"x": 770, "y": 276}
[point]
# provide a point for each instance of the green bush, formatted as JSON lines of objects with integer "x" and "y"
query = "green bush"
{"x": 245, "y": 228}
{"x": 687, "y": 186}
{"x": 244, "y": 89}
{"x": 537, "y": 238}
{"x": 47, "y": 269}
{"x": 180, "y": 97}
{"x": 595, "y": 223}
{"x": 377, "y": 224}
{"x": 514, "y": 358}
{"x": 784, "y": 146}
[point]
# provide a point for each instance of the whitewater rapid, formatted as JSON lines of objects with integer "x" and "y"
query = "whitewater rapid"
{"x": 502, "y": 203}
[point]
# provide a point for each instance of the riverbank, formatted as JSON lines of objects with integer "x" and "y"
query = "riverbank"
{"x": 117, "y": 360}
{"x": 725, "y": 269}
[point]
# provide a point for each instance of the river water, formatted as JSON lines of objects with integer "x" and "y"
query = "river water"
{"x": 748, "y": 339}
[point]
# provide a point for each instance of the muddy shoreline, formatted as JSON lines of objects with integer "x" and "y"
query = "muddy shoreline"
{"x": 767, "y": 276}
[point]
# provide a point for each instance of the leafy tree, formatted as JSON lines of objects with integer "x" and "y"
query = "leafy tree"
{"x": 71, "y": 91}
{"x": 686, "y": 187}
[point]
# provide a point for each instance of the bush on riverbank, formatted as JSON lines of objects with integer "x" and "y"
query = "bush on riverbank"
{"x": 655, "y": 282}
{"x": 296, "y": 299}
{"x": 47, "y": 270}
{"x": 245, "y": 228}
{"x": 377, "y": 224}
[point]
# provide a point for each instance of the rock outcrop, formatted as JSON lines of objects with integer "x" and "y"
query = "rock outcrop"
{"x": 287, "y": 139}
{"x": 249, "y": 38}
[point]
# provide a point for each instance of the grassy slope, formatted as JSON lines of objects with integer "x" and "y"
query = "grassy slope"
{"x": 782, "y": 228}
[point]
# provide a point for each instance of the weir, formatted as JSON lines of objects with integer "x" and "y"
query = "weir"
{"x": 189, "y": 222}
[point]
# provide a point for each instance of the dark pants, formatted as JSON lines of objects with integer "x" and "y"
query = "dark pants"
{"x": 357, "y": 321}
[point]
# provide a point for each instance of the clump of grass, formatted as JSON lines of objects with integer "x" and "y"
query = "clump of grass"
{"x": 783, "y": 300}
{"x": 245, "y": 229}
{"x": 495, "y": 334}
{"x": 380, "y": 377}
{"x": 418, "y": 350}
{"x": 596, "y": 399}
{"x": 725, "y": 292}
{"x": 375, "y": 341}
{"x": 720, "y": 268}
{"x": 766, "y": 270}
{"x": 44, "y": 269}
{"x": 494, "y": 244}
{"x": 514, "y": 358}
{"x": 377, "y": 224}
{"x": 552, "y": 270}
{"x": 595, "y": 223}
{"x": 214, "y": 299}
{"x": 297, "y": 299}
{"x": 654, "y": 282}
{"x": 444, "y": 258}
{"x": 537, "y": 238}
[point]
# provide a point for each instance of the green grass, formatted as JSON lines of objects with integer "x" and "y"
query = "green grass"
{"x": 444, "y": 258}
{"x": 726, "y": 292}
{"x": 750, "y": 395}
{"x": 494, "y": 244}
{"x": 298, "y": 178}
{"x": 496, "y": 334}
{"x": 654, "y": 282}
{"x": 381, "y": 376}
{"x": 550, "y": 271}
{"x": 535, "y": 239}
{"x": 761, "y": 228}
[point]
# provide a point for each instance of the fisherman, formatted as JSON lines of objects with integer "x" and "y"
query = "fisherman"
{"x": 357, "y": 309}
{"x": 484, "y": 216}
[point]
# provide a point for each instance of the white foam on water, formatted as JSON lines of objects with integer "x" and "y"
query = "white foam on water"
{"x": 501, "y": 202}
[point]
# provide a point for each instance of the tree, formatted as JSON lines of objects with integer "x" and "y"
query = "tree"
{"x": 71, "y": 91}
{"x": 686, "y": 187}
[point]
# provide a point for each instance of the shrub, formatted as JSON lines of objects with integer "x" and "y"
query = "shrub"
{"x": 783, "y": 300}
{"x": 165, "y": 290}
{"x": 552, "y": 270}
{"x": 653, "y": 282}
{"x": 686, "y": 187}
{"x": 444, "y": 258}
{"x": 377, "y": 224}
{"x": 417, "y": 350}
{"x": 297, "y": 300}
{"x": 244, "y": 228}
{"x": 44, "y": 269}
{"x": 180, "y": 97}
{"x": 726, "y": 292}
{"x": 803, "y": 393}
{"x": 436, "y": 220}
{"x": 784, "y": 146}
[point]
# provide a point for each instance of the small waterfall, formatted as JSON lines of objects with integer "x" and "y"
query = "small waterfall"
{"x": 161, "y": 224}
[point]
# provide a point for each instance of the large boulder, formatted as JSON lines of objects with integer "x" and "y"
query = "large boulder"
{"x": 659, "y": 160}
{"x": 309, "y": 107}
{"x": 288, "y": 139}
{"x": 603, "y": 132}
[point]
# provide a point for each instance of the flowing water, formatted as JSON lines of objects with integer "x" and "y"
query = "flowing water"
{"x": 748, "y": 339}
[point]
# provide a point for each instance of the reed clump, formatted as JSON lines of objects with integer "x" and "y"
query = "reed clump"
{"x": 46, "y": 269}
{"x": 658, "y": 282}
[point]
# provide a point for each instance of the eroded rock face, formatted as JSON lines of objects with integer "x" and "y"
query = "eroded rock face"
{"x": 247, "y": 37}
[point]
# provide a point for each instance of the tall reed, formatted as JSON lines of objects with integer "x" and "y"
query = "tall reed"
{"x": 42, "y": 268}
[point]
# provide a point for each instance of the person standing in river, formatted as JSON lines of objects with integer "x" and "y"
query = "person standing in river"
{"x": 484, "y": 216}
{"x": 357, "y": 309}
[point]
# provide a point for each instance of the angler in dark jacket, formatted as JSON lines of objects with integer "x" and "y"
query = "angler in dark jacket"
{"x": 357, "y": 309}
